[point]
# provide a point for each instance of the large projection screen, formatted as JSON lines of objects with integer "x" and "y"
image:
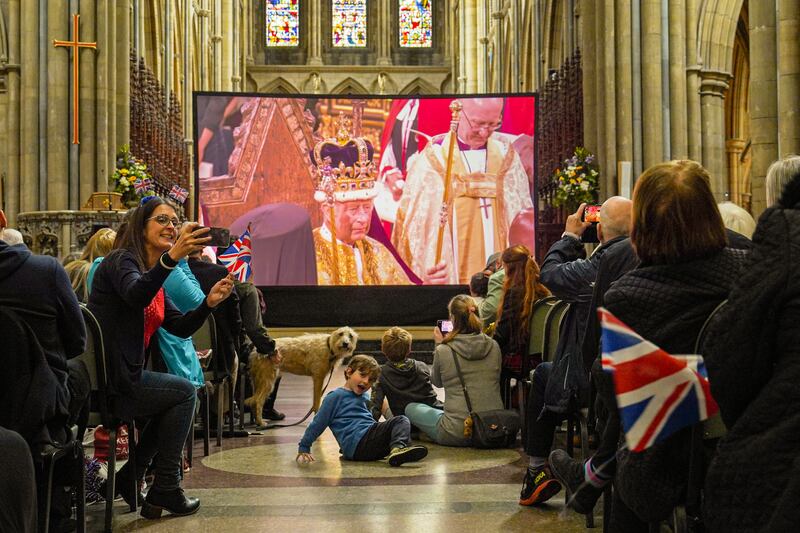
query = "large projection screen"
{"x": 263, "y": 162}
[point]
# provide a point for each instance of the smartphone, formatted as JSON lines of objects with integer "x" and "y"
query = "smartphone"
{"x": 591, "y": 214}
{"x": 220, "y": 237}
{"x": 445, "y": 326}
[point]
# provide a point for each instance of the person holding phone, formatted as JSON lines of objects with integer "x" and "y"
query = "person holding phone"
{"x": 479, "y": 357}
{"x": 128, "y": 300}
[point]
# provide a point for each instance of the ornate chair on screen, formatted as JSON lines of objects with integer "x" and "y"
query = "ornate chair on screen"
{"x": 283, "y": 245}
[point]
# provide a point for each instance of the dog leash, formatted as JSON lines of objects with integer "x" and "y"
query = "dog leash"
{"x": 270, "y": 426}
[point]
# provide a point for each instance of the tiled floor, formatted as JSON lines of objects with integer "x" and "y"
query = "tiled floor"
{"x": 254, "y": 484}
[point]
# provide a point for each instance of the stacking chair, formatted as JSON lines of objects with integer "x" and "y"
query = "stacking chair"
{"x": 96, "y": 364}
{"x": 45, "y": 460}
{"x": 218, "y": 375}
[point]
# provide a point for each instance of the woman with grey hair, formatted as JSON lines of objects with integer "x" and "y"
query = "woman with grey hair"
{"x": 779, "y": 174}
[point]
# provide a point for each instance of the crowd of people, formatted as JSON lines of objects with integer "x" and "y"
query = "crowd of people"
{"x": 666, "y": 260}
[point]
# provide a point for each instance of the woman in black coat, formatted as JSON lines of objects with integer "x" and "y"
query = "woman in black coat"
{"x": 686, "y": 270}
{"x": 128, "y": 299}
{"x": 753, "y": 361}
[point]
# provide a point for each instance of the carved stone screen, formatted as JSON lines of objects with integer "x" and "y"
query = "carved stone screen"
{"x": 415, "y": 23}
{"x": 369, "y": 175}
{"x": 283, "y": 23}
{"x": 349, "y": 23}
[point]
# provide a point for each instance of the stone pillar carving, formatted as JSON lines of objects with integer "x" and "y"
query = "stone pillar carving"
{"x": 679, "y": 142}
{"x": 652, "y": 118}
{"x": 608, "y": 186}
{"x": 789, "y": 77}
{"x": 12, "y": 184}
{"x": 385, "y": 34}
{"x": 589, "y": 67}
{"x": 227, "y": 44}
{"x": 714, "y": 85}
{"x": 122, "y": 92}
{"x": 763, "y": 97}
{"x": 470, "y": 50}
{"x": 737, "y": 189}
{"x": 58, "y": 107}
{"x": 315, "y": 33}
{"x": 623, "y": 78}
{"x": 101, "y": 98}
{"x": 88, "y": 133}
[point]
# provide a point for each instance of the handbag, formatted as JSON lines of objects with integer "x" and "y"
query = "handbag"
{"x": 497, "y": 428}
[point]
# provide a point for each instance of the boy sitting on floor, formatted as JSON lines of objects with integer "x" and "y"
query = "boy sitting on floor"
{"x": 359, "y": 436}
{"x": 402, "y": 380}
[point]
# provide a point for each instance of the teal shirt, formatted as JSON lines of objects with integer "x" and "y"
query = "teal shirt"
{"x": 178, "y": 353}
{"x": 346, "y": 413}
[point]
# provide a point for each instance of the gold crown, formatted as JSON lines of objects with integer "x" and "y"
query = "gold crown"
{"x": 344, "y": 182}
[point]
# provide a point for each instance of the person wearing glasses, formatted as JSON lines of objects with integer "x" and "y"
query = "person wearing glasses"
{"x": 129, "y": 301}
{"x": 489, "y": 188}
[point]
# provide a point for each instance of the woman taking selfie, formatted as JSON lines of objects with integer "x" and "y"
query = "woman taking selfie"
{"x": 479, "y": 358}
{"x": 128, "y": 299}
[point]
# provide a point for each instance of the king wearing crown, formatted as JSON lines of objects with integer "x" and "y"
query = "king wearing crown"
{"x": 346, "y": 192}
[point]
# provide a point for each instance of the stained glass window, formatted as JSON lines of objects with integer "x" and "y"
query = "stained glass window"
{"x": 416, "y": 23}
{"x": 349, "y": 23}
{"x": 283, "y": 23}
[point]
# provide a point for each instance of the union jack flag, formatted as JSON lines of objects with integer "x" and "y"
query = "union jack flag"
{"x": 178, "y": 193}
{"x": 237, "y": 257}
{"x": 141, "y": 186}
{"x": 657, "y": 393}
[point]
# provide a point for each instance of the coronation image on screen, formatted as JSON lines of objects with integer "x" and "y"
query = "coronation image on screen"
{"x": 293, "y": 169}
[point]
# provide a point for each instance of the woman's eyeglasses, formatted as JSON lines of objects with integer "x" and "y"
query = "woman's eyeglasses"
{"x": 165, "y": 220}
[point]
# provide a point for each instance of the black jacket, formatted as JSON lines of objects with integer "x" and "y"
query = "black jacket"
{"x": 401, "y": 384}
{"x": 37, "y": 290}
{"x": 570, "y": 277}
{"x": 753, "y": 359}
{"x": 667, "y": 305}
{"x": 227, "y": 315}
{"x": 120, "y": 293}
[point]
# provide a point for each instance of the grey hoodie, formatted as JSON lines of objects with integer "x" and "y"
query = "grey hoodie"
{"x": 480, "y": 364}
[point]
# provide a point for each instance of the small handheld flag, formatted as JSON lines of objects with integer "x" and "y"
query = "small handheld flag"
{"x": 179, "y": 194}
{"x": 238, "y": 256}
{"x": 141, "y": 186}
{"x": 657, "y": 393}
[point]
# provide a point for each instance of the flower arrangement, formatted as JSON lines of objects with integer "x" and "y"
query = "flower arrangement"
{"x": 130, "y": 177}
{"x": 576, "y": 180}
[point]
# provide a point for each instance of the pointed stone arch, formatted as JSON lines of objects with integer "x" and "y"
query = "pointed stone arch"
{"x": 419, "y": 86}
{"x": 716, "y": 34}
{"x": 280, "y": 86}
{"x": 349, "y": 86}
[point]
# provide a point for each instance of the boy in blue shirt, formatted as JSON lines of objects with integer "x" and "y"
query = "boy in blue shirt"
{"x": 359, "y": 436}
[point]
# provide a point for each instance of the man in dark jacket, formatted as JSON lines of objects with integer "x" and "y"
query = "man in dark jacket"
{"x": 570, "y": 276}
{"x": 37, "y": 290}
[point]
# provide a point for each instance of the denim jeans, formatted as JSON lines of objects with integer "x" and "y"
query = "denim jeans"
{"x": 168, "y": 404}
{"x": 425, "y": 418}
{"x": 541, "y": 424}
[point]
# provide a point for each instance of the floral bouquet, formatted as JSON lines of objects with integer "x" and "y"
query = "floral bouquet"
{"x": 130, "y": 178}
{"x": 576, "y": 180}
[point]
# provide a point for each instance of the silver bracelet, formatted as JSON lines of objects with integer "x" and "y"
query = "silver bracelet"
{"x": 161, "y": 260}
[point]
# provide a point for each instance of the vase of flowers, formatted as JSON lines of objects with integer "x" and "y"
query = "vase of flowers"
{"x": 128, "y": 171}
{"x": 576, "y": 180}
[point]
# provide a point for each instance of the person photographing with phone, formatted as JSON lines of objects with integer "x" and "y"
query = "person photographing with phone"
{"x": 130, "y": 304}
{"x": 557, "y": 385}
{"x": 479, "y": 359}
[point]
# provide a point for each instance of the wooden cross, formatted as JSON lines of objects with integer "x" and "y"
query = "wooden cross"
{"x": 76, "y": 45}
{"x": 485, "y": 205}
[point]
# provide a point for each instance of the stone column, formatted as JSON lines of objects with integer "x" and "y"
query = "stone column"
{"x": 589, "y": 67}
{"x": 122, "y": 98}
{"x": 789, "y": 77}
{"x": 652, "y": 119}
{"x": 763, "y": 98}
{"x": 470, "y": 50}
{"x": 12, "y": 184}
{"x": 623, "y": 81}
{"x": 693, "y": 118}
{"x": 385, "y": 34}
{"x": 679, "y": 141}
{"x": 314, "y": 33}
{"x": 88, "y": 133}
{"x": 734, "y": 149}
{"x": 111, "y": 85}
{"x": 58, "y": 106}
{"x": 227, "y": 44}
{"x": 101, "y": 155}
{"x": 599, "y": 85}
{"x": 714, "y": 85}
{"x": 608, "y": 183}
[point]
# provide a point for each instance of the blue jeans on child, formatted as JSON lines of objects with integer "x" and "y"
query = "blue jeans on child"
{"x": 168, "y": 402}
{"x": 425, "y": 418}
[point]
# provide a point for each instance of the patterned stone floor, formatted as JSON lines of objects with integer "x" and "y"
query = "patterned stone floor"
{"x": 253, "y": 484}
